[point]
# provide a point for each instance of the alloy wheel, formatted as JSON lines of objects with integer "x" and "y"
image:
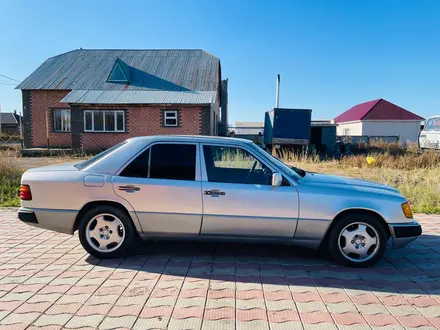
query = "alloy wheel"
{"x": 105, "y": 233}
{"x": 358, "y": 242}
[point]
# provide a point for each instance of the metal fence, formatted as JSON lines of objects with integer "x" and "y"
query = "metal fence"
{"x": 367, "y": 139}
{"x": 11, "y": 140}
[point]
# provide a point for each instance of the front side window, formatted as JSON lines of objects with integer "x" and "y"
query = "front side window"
{"x": 164, "y": 161}
{"x": 104, "y": 121}
{"x": 234, "y": 165}
{"x": 170, "y": 118}
{"x": 61, "y": 120}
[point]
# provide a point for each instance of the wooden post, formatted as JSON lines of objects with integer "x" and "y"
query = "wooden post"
{"x": 47, "y": 129}
{"x": 21, "y": 131}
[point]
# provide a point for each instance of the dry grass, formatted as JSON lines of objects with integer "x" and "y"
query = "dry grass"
{"x": 416, "y": 176}
{"x": 10, "y": 174}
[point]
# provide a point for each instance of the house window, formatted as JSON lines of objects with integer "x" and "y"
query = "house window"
{"x": 346, "y": 131}
{"x": 104, "y": 121}
{"x": 170, "y": 118}
{"x": 61, "y": 120}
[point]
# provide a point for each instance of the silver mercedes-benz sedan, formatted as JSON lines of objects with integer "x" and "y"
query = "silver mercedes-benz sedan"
{"x": 211, "y": 188}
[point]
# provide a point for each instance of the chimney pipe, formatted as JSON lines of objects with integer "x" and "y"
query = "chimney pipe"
{"x": 277, "y": 103}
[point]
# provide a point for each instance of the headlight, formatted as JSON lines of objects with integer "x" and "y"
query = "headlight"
{"x": 406, "y": 208}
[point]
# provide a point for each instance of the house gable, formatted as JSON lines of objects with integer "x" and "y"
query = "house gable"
{"x": 120, "y": 73}
{"x": 385, "y": 110}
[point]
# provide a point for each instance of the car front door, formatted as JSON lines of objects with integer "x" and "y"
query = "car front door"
{"x": 163, "y": 185}
{"x": 238, "y": 198}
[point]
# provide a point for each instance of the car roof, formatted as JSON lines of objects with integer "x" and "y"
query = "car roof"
{"x": 112, "y": 162}
{"x": 192, "y": 138}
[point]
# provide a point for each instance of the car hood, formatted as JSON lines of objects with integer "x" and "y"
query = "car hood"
{"x": 326, "y": 179}
{"x": 56, "y": 167}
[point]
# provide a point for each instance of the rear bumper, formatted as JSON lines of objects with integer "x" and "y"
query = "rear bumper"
{"x": 61, "y": 221}
{"x": 27, "y": 216}
{"x": 404, "y": 233}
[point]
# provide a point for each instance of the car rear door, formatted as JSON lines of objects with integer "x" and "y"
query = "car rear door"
{"x": 163, "y": 185}
{"x": 238, "y": 198}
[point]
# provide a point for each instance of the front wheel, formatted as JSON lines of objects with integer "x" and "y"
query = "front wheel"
{"x": 106, "y": 232}
{"x": 358, "y": 240}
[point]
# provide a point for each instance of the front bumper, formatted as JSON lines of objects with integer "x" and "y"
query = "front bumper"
{"x": 404, "y": 233}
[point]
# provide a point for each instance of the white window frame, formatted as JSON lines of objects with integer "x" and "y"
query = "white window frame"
{"x": 170, "y": 114}
{"x": 115, "y": 114}
{"x": 64, "y": 128}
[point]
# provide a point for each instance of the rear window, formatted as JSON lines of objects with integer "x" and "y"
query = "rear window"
{"x": 433, "y": 124}
{"x": 97, "y": 157}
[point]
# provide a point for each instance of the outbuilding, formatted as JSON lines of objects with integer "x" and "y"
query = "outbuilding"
{"x": 379, "y": 118}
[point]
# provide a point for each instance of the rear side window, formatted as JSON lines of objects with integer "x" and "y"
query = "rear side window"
{"x": 164, "y": 161}
{"x": 94, "y": 159}
{"x": 138, "y": 168}
{"x": 173, "y": 162}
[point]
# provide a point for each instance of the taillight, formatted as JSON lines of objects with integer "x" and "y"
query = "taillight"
{"x": 25, "y": 193}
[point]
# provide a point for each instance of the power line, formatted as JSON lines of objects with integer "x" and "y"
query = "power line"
{"x": 2, "y": 83}
{"x": 9, "y": 78}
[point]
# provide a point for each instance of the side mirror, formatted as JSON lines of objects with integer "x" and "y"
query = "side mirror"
{"x": 277, "y": 179}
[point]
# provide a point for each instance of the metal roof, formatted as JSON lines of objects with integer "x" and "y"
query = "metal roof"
{"x": 8, "y": 118}
{"x": 247, "y": 128}
{"x": 139, "y": 97}
{"x": 376, "y": 110}
{"x": 175, "y": 70}
{"x": 323, "y": 122}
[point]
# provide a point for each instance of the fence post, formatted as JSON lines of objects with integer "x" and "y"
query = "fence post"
{"x": 21, "y": 131}
{"x": 47, "y": 129}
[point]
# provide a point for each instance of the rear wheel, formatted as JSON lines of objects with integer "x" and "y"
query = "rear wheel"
{"x": 357, "y": 240}
{"x": 106, "y": 232}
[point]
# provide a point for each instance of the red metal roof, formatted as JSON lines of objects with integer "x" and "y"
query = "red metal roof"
{"x": 376, "y": 110}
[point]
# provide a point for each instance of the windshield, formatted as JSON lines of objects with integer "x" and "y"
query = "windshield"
{"x": 433, "y": 124}
{"x": 290, "y": 171}
{"x": 97, "y": 157}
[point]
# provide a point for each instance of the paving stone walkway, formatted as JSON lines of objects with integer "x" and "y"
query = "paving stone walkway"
{"x": 47, "y": 281}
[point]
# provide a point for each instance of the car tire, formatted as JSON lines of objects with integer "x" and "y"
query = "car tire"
{"x": 106, "y": 232}
{"x": 357, "y": 240}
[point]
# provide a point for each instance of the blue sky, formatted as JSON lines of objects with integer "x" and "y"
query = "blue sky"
{"x": 331, "y": 54}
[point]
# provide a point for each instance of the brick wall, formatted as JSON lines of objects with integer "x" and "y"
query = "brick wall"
{"x": 40, "y": 101}
{"x": 141, "y": 121}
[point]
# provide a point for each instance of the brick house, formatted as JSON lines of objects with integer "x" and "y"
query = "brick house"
{"x": 10, "y": 123}
{"x": 93, "y": 99}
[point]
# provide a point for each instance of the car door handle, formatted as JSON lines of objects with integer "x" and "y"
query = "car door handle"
{"x": 129, "y": 188}
{"x": 214, "y": 193}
